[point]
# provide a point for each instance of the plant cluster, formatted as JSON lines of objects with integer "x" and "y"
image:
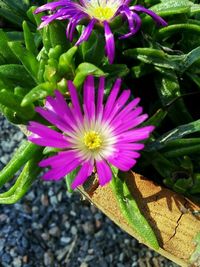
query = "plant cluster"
{"x": 161, "y": 65}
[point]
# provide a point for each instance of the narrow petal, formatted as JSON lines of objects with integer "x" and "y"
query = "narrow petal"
{"x": 110, "y": 42}
{"x": 44, "y": 131}
{"x": 42, "y": 135}
{"x": 135, "y": 135}
{"x": 119, "y": 119}
{"x": 104, "y": 172}
{"x": 72, "y": 25}
{"x": 89, "y": 97}
{"x": 51, "y": 6}
{"x": 64, "y": 157}
{"x": 131, "y": 123}
{"x": 83, "y": 174}
{"x": 60, "y": 108}
{"x": 157, "y": 18}
{"x": 53, "y": 119}
{"x": 134, "y": 24}
{"x": 122, "y": 163}
{"x": 131, "y": 146}
{"x": 43, "y": 141}
{"x": 47, "y": 20}
{"x": 111, "y": 99}
{"x": 75, "y": 100}
{"x": 119, "y": 104}
{"x": 99, "y": 108}
{"x": 61, "y": 171}
{"x": 87, "y": 32}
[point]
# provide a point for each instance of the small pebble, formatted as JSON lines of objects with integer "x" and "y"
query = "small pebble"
{"x": 54, "y": 231}
{"x": 65, "y": 240}
{"x": 48, "y": 259}
{"x": 73, "y": 230}
{"x": 88, "y": 228}
{"x": 17, "y": 262}
{"x": 44, "y": 200}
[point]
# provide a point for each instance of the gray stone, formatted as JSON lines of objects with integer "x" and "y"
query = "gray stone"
{"x": 65, "y": 240}
{"x": 54, "y": 231}
{"x": 48, "y": 259}
{"x": 17, "y": 262}
{"x": 73, "y": 230}
{"x": 53, "y": 200}
{"x": 88, "y": 228}
{"x": 84, "y": 264}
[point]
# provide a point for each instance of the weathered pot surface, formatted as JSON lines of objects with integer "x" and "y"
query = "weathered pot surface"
{"x": 168, "y": 213}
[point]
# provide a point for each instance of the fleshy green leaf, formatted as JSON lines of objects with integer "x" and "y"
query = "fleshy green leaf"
{"x": 23, "y": 154}
{"x": 38, "y": 93}
{"x": 23, "y": 183}
{"x": 174, "y": 134}
{"x": 26, "y": 57}
{"x": 85, "y": 69}
{"x": 131, "y": 212}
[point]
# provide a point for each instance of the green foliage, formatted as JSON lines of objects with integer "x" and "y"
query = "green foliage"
{"x": 160, "y": 65}
{"x": 131, "y": 211}
{"x": 196, "y": 254}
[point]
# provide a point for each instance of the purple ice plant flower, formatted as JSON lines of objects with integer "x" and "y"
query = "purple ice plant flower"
{"x": 91, "y": 136}
{"x": 97, "y": 11}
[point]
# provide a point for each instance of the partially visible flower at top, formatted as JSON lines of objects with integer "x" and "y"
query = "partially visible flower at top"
{"x": 91, "y": 136}
{"x": 97, "y": 11}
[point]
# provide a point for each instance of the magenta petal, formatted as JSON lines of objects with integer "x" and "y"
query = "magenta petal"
{"x": 44, "y": 136}
{"x": 51, "y": 6}
{"x": 111, "y": 99}
{"x": 83, "y": 174}
{"x": 131, "y": 146}
{"x": 136, "y": 134}
{"x": 134, "y": 24}
{"x": 118, "y": 121}
{"x": 157, "y": 18}
{"x": 89, "y": 97}
{"x": 64, "y": 157}
{"x": 42, "y": 141}
{"x": 131, "y": 123}
{"x": 87, "y": 32}
{"x": 52, "y": 118}
{"x": 110, "y": 42}
{"x": 99, "y": 107}
{"x": 122, "y": 164}
{"x": 61, "y": 171}
{"x": 72, "y": 25}
{"x": 129, "y": 154}
{"x": 75, "y": 100}
{"x": 119, "y": 104}
{"x": 104, "y": 172}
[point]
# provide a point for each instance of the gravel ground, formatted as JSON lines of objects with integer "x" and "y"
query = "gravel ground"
{"x": 50, "y": 227}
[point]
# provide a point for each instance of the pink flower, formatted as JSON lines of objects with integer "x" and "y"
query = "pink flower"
{"x": 97, "y": 11}
{"x": 91, "y": 136}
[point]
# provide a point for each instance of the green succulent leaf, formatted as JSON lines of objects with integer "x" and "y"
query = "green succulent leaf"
{"x": 23, "y": 154}
{"x": 85, "y": 69}
{"x": 29, "y": 39}
{"x": 38, "y": 93}
{"x": 174, "y": 134}
{"x": 131, "y": 212}
{"x": 23, "y": 183}
{"x": 28, "y": 60}
{"x": 17, "y": 74}
{"x": 13, "y": 102}
{"x": 168, "y": 88}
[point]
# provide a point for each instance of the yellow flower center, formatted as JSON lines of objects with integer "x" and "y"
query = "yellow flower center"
{"x": 103, "y": 13}
{"x": 92, "y": 140}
